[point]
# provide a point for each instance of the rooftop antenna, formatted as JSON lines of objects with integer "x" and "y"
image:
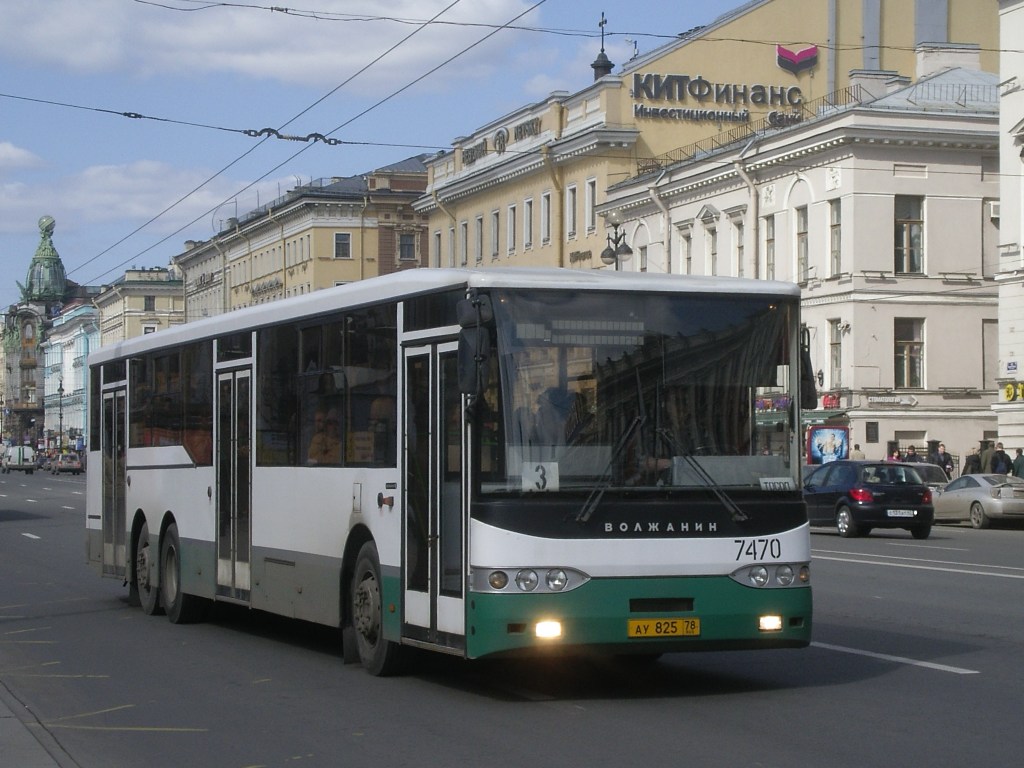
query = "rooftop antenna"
{"x": 636, "y": 50}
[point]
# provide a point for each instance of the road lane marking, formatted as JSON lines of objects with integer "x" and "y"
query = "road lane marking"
{"x": 30, "y": 536}
{"x": 928, "y": 567}
{"x": 897, "y": 659}
{"x": 66, "y": 507}
{"x": 921, "y": 560}
{"x": 929, "y": 546}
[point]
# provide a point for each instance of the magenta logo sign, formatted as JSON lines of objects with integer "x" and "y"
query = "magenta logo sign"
{"x": 796, "y": 61}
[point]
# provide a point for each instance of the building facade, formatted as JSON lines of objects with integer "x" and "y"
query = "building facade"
{"x": 72, "y": 336}
{"x": 326, "y": 233}
{"x": 139, "y": 302}
{"x": 886, "y": 213}
{"x": 535, "y": 187}
{"x": 1010, "y": 405}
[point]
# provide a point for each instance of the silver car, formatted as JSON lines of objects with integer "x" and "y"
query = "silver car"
{"x": 980, "y": 499}
{"x": 934, "y": 477}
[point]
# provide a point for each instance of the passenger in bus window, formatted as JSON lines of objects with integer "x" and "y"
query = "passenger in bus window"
{"x": 325, "y": 447}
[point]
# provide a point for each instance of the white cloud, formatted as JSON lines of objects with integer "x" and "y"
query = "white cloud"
{"x": 15, "y": 157}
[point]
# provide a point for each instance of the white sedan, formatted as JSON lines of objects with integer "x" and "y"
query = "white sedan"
{"x": 980, "y": 499}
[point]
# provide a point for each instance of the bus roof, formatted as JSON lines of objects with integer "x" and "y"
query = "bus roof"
{"x": 416, "y": 282}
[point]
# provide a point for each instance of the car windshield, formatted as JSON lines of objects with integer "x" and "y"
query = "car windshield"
{"x": 890, "y": 474}
{"x": 1003, "y": 480}
{"x": 932, "y": 473}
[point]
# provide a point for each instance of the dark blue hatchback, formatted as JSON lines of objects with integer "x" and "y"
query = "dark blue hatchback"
{"x": 856, "y": 496}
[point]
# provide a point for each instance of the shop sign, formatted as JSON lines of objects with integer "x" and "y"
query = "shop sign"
{"x": 702, "y": 99}
{"x": 471, "y": 154}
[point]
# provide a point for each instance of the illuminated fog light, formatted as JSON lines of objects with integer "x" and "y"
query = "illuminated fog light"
{"x": 548, "y": 629}
{"x": 784, "y": 575}
{"x": 527, "y": 580}
{"x": 498, "y": 579}
{"x": 769, "y": 623}
{"x": 557, "y": 579}
{"x": 759, "y": 575}
{"x": 805, "y": 574}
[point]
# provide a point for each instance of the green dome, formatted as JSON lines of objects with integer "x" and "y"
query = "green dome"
{"x": 46, "y": 279}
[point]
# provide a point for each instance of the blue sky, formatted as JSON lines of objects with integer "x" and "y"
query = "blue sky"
{"x": 129, "y": 191}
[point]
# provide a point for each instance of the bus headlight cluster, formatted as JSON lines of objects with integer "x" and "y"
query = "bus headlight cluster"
{"x": 774, "y": 575}
{"x": 526, "y": 579}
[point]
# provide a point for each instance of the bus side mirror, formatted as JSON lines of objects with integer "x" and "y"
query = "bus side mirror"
{"x": 474, "y": 360}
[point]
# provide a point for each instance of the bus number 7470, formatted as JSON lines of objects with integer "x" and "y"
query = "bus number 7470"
{"x": 758, "y": 549}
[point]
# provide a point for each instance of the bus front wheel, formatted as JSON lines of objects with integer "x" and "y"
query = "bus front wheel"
{"x": 377, "y": 655}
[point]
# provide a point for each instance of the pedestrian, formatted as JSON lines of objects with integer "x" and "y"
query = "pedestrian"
{"x": 942, "y": 459}
{"x": 857, "y": 453}
{"x": 986, "y": 457}
{"x": 912, "y": 456}
{"x": 972, "y": 464}
{"x": 895, "y": 456}
{"x": 1018, "y": 463}
{"x": 1001, "y": 463}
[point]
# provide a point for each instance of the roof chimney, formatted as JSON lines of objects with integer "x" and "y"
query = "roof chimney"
{"x": 936, "y": 57}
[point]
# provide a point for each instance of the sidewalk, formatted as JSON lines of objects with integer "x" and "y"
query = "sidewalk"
{"x": 22, "y": 746}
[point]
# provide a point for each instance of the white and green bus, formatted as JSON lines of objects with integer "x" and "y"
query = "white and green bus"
{"x": 478, "y": 462}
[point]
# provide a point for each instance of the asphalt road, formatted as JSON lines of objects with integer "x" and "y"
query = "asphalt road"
{"x": 916, "y": 660}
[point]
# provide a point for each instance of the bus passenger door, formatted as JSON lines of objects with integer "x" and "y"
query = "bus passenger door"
{"x": 112, "y": 451}
{"x": 434, "y": 532}
{"x": 234, "y": 460}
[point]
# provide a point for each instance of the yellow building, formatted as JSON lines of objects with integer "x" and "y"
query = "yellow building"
{"x": 325, "y": 233}
{"x": 525, "y": 188}
{"x": 141, "y": 301}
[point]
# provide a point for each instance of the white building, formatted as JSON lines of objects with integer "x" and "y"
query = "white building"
{"x": 1010, "y": 403}
{"x": 883, "y": 206}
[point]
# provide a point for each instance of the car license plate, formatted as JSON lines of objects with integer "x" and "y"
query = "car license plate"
{"x": 900, "y": 512}
{"x": 642, "y": 628}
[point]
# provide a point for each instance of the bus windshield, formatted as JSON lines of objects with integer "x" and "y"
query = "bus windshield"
{"x": 617, "y": 390}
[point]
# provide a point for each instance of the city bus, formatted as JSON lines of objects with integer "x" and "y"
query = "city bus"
{"x": 477, "y": 462}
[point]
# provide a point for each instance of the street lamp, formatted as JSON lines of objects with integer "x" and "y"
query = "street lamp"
{"x": 60, "y": 415}
{"x": 617, "y": 250}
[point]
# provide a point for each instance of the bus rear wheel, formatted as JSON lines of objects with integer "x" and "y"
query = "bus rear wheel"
{"x": 181, "y": 608}
{"x": 145, "y": 571}
{"x": 378, "y": 655}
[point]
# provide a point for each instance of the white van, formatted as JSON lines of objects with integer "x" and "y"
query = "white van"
{"x": 19, "y": 457}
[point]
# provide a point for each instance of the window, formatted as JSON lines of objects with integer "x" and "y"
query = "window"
{"x": 769, "y": 247}
{"x": 908, "y": 235}
{"x": 802, "y": 266}
{"x": 739, "y": 231}
{"x": 436, "y": 260}
{"x": 570, "y": 211}
{"x": 342, "y": 245}
{"x": 464, "y": 243}
{"x": 407, "y": 247}
{"x": 835, "y": 353}
{"x": 908, "y": 352}
{"x": 835, "y": 236}
{"x": 687, "y": 254}
{"x": 528, "y": 223}
{"x": 149, "y": 303}
{"x": 713, "y": 250}
{"x": 478, "y": 240}
{"x": 591, "y": 203}
{"x": 545, "y": 218}
{"x": 451, "y": 246}
{"x": 495, "y": 231}
{"x": 511, "y": 223}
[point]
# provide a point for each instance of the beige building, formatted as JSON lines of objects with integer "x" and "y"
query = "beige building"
{"x": 141, "y": 301}
{"x": 329, "y": 232}
{"x": 885, "y": 211}
{"x": 1009, "y": 407}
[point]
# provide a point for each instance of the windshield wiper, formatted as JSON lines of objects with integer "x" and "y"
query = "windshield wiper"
{"x": 605, "y": 480}
{"x": 737, "y": 514}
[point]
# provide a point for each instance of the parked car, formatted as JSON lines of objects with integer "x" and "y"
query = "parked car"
{"x": 66, "y": 462}
{"x": 934, "y": 476}
{"x": 857, "y": 496}
{"x": 980, "y": 498}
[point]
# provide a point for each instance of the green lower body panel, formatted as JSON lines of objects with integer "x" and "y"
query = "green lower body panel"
{"x": 626, "y": 616}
